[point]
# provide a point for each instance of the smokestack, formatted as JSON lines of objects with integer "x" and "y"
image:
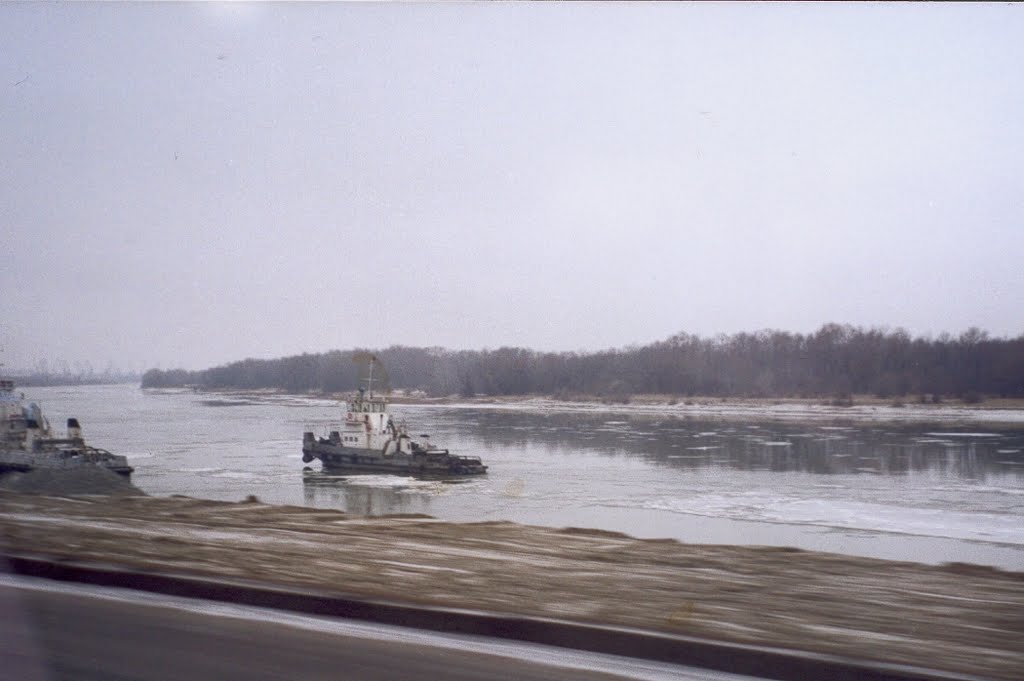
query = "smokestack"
{"x": 74, "y": 430}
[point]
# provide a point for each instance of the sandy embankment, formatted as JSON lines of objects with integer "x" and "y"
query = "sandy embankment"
{"x": 956, "y": 618}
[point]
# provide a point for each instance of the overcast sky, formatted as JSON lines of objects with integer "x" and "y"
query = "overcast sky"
{"x": 186, "y": 185}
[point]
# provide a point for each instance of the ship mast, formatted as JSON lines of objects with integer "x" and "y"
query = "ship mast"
{"x": 369, "y": 379}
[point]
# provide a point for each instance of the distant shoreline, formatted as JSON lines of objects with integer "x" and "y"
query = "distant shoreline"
{"x": 30, "y": 382}
{"x": 995, "y": 412}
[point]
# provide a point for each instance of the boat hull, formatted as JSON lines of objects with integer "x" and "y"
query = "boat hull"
{"x": 339, "y": 458}
{"x": 22, "y": 462}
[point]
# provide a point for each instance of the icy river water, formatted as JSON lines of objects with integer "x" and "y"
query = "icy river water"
{"x": 923, "y": 492}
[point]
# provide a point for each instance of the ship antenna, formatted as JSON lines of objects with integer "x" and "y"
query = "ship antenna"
{"x": 369, "y": 380}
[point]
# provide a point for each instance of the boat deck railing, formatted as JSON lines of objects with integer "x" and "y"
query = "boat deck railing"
{"x": 61, "y": 459}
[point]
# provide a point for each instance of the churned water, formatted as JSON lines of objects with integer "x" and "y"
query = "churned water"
{"x": 923, "y": 492}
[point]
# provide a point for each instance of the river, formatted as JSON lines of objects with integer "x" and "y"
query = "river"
{"x": 925, "y": 492}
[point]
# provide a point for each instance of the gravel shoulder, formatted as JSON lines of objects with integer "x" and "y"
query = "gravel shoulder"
{"x": 958, "y": 618}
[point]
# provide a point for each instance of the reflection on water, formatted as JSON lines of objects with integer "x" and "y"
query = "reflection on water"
{"x": 929, "y": 492}
{"x": 352, "y": 497}
{"x": 366, "y": 494}
{"x": 890, "y": 449}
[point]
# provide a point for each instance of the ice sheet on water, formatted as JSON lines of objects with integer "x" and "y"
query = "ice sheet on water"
{"x": 387, "y": 481}
{"x": 964, "y": 434}
{"x": 848, "y": 515}
{"x": 972, "y": 489}
{"x": 235, "y": 475}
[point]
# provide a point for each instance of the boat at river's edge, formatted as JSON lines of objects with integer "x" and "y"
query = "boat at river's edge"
{"x": 369, "y": 441}
{"x": 28, "y": 442}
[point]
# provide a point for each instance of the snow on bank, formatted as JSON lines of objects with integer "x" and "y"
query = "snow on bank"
{"x": 754, "y": 411}
{"x": 724, "y": 408}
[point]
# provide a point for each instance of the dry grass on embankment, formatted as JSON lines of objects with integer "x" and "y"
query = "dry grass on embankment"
{"x": 959, "y": 618}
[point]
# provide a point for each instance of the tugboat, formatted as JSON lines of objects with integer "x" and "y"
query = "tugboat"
{"x": 371, "y": 442}
{"x": 27, "y": 441}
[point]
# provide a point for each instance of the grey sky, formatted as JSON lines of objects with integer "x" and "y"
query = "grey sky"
{"x": 185, "y": 185}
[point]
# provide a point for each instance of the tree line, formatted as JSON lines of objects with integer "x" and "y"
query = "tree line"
{"x": 837, "y": 360}
{"x": 35, "y": 379}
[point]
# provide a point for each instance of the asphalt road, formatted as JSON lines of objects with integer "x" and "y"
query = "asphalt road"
{"x": 50, "y": 632}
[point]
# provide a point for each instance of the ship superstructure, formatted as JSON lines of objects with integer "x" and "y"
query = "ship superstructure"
{"x": 28, "y": 441}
